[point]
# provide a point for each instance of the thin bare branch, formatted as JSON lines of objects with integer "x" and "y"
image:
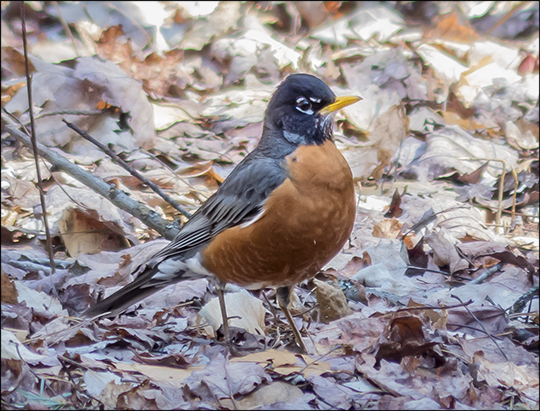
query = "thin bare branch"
{"x": 34, "y": 145}
{"x": 149, "y": 217}
{"x": 481, "y": 325}
{"x": 124, "y": 165}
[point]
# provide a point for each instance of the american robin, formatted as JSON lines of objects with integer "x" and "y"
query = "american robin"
{"x": 277, "y": 219}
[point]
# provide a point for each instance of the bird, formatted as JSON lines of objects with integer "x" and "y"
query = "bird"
{"x": 283, "y": 212}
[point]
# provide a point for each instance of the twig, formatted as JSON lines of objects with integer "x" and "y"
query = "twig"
{"x": 498, "y": 336}
{"x": 470, "y": 327}
{"x": 488, "y": 273}
{"x": 427, "y": 307}
{"x": 518, "y": 306}
{"x": 165, "y": 165}
{"x": 501, "y": 186}
{"x": 122, "y": 163}
{"x": 507, "y": 212}
{"x": 120, "y": 199}
{"x": 71, "y": 113}
{"x": 41, "y": 379}
{"x": 63, "y": 189}
{"x": 216, "y": 398}
{"x": 481, "y": 325}
{"x": 63, "y": 360}
{"x": 426, "y": 219}
{"x": 134, "y": 22}
{"x": 66, "y": 28}
{"x": 462, "y": 217}
{"x": 320, "y": 358}
{"x": 527, "y": 314}
{"x": 272, "y": 309}
{"x": 80, "y": 205}
{"x": 278, "y": 341}
{"x": 490, "y": 300}
{"x": 429, "y": 270}
{"x": 34, "y": 145}
{"x": 516, "y": 184}
{"x": 517, "y": 6}
{"x": 228, "y": 381}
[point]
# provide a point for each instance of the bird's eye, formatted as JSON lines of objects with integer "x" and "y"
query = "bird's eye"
{"x": 303, "y": 105}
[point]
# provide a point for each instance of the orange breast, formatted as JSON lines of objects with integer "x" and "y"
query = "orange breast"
{"x": 306, "y": 221}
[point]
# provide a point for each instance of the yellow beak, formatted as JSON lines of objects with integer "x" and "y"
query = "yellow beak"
{"x": 339, "y": 103}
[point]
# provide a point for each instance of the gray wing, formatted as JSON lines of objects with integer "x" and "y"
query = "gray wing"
{"x": 239, "y": 199}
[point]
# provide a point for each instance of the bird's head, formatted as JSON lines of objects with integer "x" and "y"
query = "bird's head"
{"x": 301, "y": 110}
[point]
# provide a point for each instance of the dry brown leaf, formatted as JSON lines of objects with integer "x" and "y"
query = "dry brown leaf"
{"x": 315, "y": 368}
{"x": 244, "y": 311}
{"x": 8, "y": 290}
{"x": 389, "y": 228}
{"x": 269, "y": 396}
{"x": 454, "y": 26}
{"x": 523, "y": 378}
{"x": 332, "y": 301}
{"x": 83, "y": 234}
{"x": 161, "y": 374}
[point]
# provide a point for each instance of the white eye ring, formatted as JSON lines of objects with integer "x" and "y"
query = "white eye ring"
{"x": 303, "y": 105}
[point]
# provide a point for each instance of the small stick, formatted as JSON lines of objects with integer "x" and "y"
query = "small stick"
{"x": 34, "y": 146}
{"x": 488, "y": 273}
{"x": 320, "y": 358}
{"x": 120, "y": 199}
{"x": 481, "y": 325}
{"x": 518, "y": 306}
{"x": 122, "y": 163}
{"x": 427, "y": 307}
{"x": 66, "y": 28}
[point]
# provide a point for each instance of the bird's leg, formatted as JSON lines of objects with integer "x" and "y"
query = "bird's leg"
{"x": 221, "y": 295}
{"x": 284, "y": 298}
{"x": 273, "y": 310}
{"x": 220, "y": 287}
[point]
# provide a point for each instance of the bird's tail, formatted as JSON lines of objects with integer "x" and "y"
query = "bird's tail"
{"x": 140, "y": 288}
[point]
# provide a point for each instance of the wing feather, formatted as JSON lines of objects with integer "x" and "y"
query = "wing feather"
{"x": 239, "y": 199}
